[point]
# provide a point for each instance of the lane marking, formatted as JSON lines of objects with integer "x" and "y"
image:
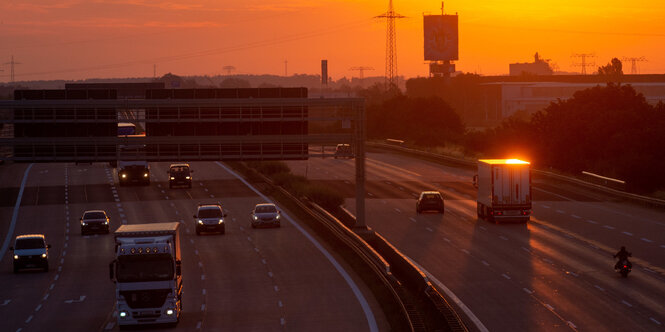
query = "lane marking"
{"x": 429, "y": 229}
{"x": 12, "y": 224}
{"x": 599, "y": 288}
{"x": 505, "y": 276}
{"x": 527, "y": 291}
{"x": 609, "y": 227}
{"x": 646, "y": 240}
{"x": 485, "y": 263}
{"x": 626, "y": 303}
{"x": 628, "y": 233}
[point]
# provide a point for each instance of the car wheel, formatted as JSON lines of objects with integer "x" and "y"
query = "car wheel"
{"x": 16, "y": 268}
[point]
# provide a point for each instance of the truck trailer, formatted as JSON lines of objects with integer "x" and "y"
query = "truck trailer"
{"x": 504, "y": 190}
{"x": 147, "y": 274}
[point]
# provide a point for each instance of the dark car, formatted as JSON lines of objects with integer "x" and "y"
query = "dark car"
{"x": 180, "y": 175}
{"x": 94, "y": 221}
{"x": 30, "y": 251}
{"x": 265, "y": 215}
{"x": 210, "y": 218}
{"x": 343, "y": 151}
{"x": 430, "y": 201}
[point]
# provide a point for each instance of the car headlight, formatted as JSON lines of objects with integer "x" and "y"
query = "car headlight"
{"x": 123, "y": 175}
{"x": 173, "y": 178}
{"x": 43, "y": 255}
{"x": 170, "y": 312}
{"x": 200, "y": 222}
{"x": 106, "y": 222}
{"x": 187, "y": 177}
{"x": 15, "y": 256}
{"x": 83, "y": 223}
{"x": 255, "y": 217}
{"x": 277, "y": 216}
{"x": 145, "y": 175}
{"x": 221, "y": 221}
{"x": 122, "y": 314}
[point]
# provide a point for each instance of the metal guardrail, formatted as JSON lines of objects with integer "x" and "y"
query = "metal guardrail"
{"x": 650, "y": 201}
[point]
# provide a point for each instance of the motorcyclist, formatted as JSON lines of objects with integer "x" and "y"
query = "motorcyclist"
{"x": 623, "y": 254}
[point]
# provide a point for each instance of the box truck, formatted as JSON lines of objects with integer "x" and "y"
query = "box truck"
{"x": 504, "y": 190}
{"x": 147, "y": 274}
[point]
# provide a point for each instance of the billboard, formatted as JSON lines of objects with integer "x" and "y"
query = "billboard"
{"x": 441, "y": 39}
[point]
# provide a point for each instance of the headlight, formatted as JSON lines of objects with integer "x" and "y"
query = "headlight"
{"x": 221, "y": 221}
{"x": 255, "y": 217}
{"x": 200, "y": 222}
{"x": 170, "y": 312}
{"x": 173, "y": 178}
{"x": 83, "y": 223}
{"x": 15, "y": 256}
{"x": 123, "y": 175}
{"x": 277, "y": 216}
{"x": 123, "y": 314}
{"x": 106, "y": 222}
{"x": 145, "y": 175}
{"x": 188, "y": 177}
{"x": 43, "y": 255}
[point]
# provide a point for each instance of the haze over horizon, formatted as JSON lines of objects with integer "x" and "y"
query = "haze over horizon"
{"x": 79, "y": 39}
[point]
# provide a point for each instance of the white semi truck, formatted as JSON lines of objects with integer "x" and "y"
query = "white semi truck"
{"x": 147, "y": 274}
{"x": 504, "y": 190}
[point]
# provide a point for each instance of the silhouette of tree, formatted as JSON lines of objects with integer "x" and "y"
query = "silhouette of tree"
{"x": 613, "y": 71}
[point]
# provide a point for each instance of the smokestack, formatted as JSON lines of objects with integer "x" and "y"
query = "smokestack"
{"x": 324, "y": 72}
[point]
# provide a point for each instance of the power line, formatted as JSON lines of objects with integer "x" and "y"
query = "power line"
{"x": 12, "y": 63}
{"x": 361, "y": 70}
{"x": 583, "y": 61}
{"x": 633, "y": 62}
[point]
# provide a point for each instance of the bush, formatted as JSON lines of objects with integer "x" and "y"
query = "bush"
{"x": 325, "y": 197}
{"x": 270, "y": 167}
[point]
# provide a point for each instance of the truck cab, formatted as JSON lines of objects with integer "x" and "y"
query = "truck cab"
{"x": 130, "y": 172}
{"x": 180, "y": 175}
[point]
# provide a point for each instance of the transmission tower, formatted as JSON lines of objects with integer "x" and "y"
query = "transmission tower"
{"x": 583, "y": 61}
{"x": 229, "y": 69}
{"x": 361, "y": 70}
{"x": 391, "y": 50}
{"x": 11, "y": 73}
{"x": 633, "y": 63}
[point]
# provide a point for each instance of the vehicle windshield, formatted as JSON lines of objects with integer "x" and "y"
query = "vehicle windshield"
{"x": 431, "y": 197}
{"x": 180, "y": 169}
{"x": 94, "y": 215}
{"x": 30, "y": 243}
{"x": 149, "y": 267}
{"x": 265, "y": 209}
{"x": 210, "y": 213}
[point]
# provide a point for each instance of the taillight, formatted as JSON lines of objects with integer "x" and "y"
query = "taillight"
{"x": 625, "y": 266}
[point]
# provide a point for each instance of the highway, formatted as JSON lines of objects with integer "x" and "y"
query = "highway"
{"x": 245, "y": 280}
{"x": 553, "y": 274}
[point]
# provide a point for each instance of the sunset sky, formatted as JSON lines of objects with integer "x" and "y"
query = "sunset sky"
{"x": 78, "y": 39}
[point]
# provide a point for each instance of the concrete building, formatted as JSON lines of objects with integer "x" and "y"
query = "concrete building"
{"x": 538, "y": 67}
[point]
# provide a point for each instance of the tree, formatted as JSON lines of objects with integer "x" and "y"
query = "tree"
{"x": 612, "y": 71}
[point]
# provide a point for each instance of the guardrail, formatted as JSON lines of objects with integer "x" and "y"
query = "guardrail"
{"x": 649, "y": 201}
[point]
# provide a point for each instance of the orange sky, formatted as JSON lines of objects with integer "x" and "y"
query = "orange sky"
{"x": 77, "y": 39}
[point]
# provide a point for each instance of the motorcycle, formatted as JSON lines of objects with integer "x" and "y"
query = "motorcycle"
{"x": 624, "y": 267}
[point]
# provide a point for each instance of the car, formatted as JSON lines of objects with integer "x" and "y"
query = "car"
{"x": 343, "y": 151}
{"x": 30, "y": 251}
{"x": 430, "y": 201}
{"x": 180, "y": 175}
{"x": 94, "y": 221}
{"x": 265, "y": 215}
{"x": 210, "y": 218}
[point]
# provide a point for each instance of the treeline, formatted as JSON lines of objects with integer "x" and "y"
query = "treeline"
{"x": 608, "y": 130}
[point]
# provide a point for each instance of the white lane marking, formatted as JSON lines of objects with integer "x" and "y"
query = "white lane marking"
{"x": 203, "y": 291}
{"x": 446, "y": 239}
{"x": 646, "y": 240}
{"x": 203, "y": 277}
{"x": 545, "y": 206}
{"x": 196, "y": 252}
{"x": 198, "y": 325}
{"x": 205, "y": 189}
{"x": 526, "y": 249}
{"x": 505, "y": 276}
{"x": 5, "y": 303}
{"x": 528, "y": 291}
{"x": 466, "y": 251}
{"x": 398, "y": 210}
{"x": 212, "y": 196}
{"x": 485, "y": 263}
{"x": 654, "y": 320}
{"x": 599, "y": 288}
{"x": 81, "y": 299}
{"x": 662, "y": 245}
{"x": 203, "y": 307}
{"x": 200, "y": 264}
{"x": 256, "y": 249}
{"x": 191, "y": 241}
{"x": 391, "y": 166}
{"x": 576, "y": 216}
{"x": 29, "y": 319}
{"x": 628, "y": 233}
{"x": 64, "y": 253}
{"x": 264, "y": 261}
{"x": 370, "y": 194}
{"x": 280, "y": 304}
{"x": 282, "y": 321}
{"x": 626, "y": 303}
{"x": 412, "y": 219}
{"x": 609, "y": 227}
{"x": 276, "y": 288}
{"x": 503, "y": 238}
{"x": 51, "y": 287}
{"x": 429, "y": 229}
{"x": 38, "y": 307}
{"x": 573, "y": 274}
{"x": 57, "y": 276}
{"x": 561, "y": 211}
{"x": 270, "y": 274}
{"x": 483, "y": 228}
{"x": 591, "y": 221}
{"x": 572, "y": 325}
{"x": 371, "y": 320}
{"x": 12, "y": 224}
{"x": 551, "y": 308}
